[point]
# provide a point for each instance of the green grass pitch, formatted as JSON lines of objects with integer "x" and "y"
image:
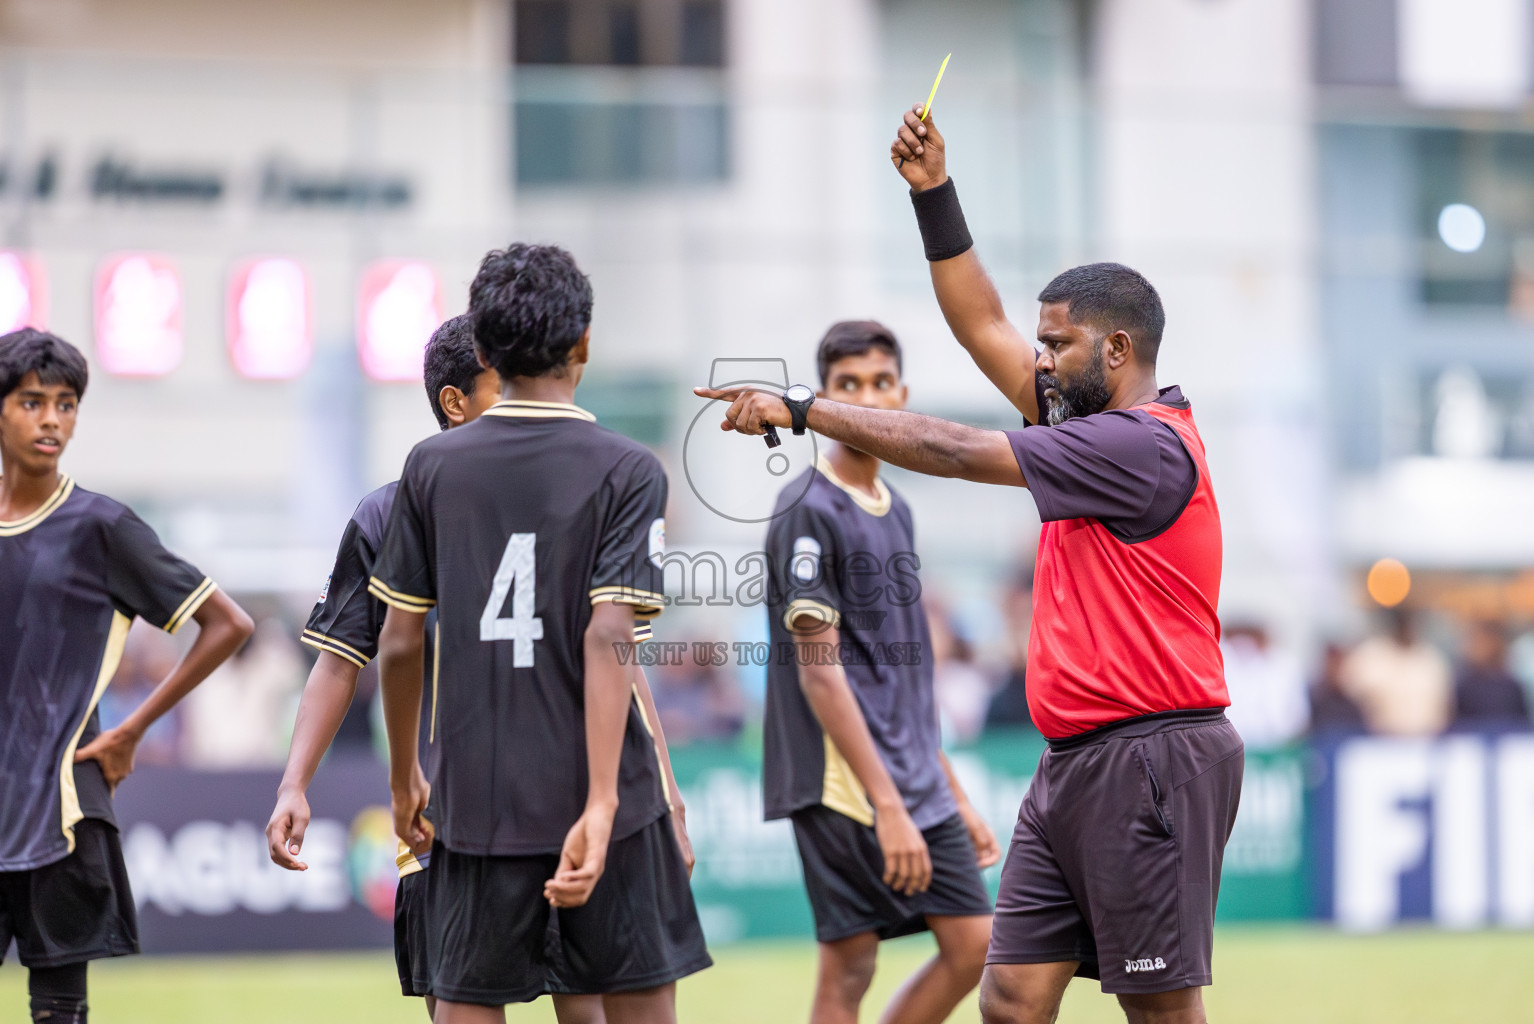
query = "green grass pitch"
{"x": 1262, "y": 975}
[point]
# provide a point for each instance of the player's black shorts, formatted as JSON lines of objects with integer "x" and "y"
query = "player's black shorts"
{"x": 1115, "y": 861}
{"x": 410, "y": 935}
{"x": 73, "y": 910}
{"x": 844, "y": 873}
{"x": 492, "y": 941}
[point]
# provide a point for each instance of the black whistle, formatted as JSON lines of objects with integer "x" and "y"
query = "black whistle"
{"x": 772, "y": 438}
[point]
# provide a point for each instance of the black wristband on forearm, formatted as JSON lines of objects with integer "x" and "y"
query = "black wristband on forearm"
{"x": 943, "y": 232}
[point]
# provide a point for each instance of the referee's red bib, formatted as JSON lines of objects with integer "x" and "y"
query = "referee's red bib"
{"x": 1122, "y": 629}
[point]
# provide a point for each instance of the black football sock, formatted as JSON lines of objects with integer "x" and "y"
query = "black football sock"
{"x": 58, "y": 994}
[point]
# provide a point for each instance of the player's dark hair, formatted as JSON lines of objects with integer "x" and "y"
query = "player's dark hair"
{"x": 54, "y": 360}
{"x": 1112, "y": 297}
{"x": 853, "y": 338}
{"x": 450, "y": 360}
{"x": 530, "y": 304}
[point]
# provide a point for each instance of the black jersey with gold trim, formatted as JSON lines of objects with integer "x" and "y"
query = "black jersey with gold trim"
{"x": 844, "y": 558}
{"x": 73, "y": 575}
{"x": 513, "y": 527}
{"x": 346, "y": 619}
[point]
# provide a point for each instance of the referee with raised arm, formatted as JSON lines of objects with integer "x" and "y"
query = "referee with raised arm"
{"x": 1114, "y": 866}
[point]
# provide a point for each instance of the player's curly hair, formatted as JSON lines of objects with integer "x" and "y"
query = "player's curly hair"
{"x": 450, "y": 360}
{"x": 530, "y": 305}
{"x": 54, "y": 360}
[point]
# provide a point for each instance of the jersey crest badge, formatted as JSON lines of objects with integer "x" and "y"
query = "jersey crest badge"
{"x": 806, "y": 560}
{"x": 657, "y": 542}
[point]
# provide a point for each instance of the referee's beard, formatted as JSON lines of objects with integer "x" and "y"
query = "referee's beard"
{"x": 1083, "y": 396}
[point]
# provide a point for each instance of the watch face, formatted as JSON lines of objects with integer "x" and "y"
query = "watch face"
{"x": 799, "y": 393}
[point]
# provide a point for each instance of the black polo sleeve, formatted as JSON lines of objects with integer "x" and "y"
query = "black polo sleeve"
{"x": 1122, "y": 467}
{"x": 803, "y": 548}
{"x": 633, "y": 540}
{"x": 347, "y": 618}
{"x": 404, "y": 574}
{"x": 146, "y": 580}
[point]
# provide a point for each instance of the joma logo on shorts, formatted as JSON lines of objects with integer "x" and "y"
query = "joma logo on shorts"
{"x": 1144, "y": 964}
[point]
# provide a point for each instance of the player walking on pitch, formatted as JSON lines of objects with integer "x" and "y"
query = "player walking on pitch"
{"x": 537, "y": 536}
{"x": 889, "y": 842}
{"x": 344, "y": 627}
{"x": 1114, "y": 866}
{"x": 75, "y": 569}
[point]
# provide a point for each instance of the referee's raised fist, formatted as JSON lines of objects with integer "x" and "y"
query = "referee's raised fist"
{"x": 917, "y": 151}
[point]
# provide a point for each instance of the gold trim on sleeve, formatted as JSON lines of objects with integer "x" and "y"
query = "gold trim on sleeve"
{"x": 818, "y": 610}
{"x": 394, "y": 599}
{"x": 647, "y": 604}
{"x": 195, "y": 600}
{"x": 321, "y": 642}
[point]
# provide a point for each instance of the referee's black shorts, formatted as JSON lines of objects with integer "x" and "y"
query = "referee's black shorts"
{"x": 73, "y": 910}
{"x": 1115, "y": 861}
{"x": 844, "y": 875}
{"x": 491, "y": 939}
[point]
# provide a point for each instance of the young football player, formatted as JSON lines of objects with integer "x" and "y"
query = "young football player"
{"x": 344, "y": 628}
{"x": 889, "y": 842}
{"x": 76, "y": 568}
{"x": 537, "y": 536}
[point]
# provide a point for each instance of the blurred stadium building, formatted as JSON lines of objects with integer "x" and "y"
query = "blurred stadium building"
{"x": 251, "y": 216}
{"x": 718, "y": 168}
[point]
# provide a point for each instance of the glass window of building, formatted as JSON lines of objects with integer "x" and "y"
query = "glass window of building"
{"x": 619, "y": 92}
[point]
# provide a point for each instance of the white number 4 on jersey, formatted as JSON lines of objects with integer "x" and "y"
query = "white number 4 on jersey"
{"x": 517, "y": 574}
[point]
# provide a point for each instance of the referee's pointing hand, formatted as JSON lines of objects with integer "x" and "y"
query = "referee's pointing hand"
{"x": 751, "y": 410}
{"x": 918, "y": 152}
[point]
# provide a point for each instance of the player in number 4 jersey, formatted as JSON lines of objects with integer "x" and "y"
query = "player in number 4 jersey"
{"x": 344, "y": 629}
{"x": 537, "y": 537}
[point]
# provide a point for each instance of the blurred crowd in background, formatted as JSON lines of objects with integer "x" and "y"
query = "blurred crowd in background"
{"x": 1411, "y": 674}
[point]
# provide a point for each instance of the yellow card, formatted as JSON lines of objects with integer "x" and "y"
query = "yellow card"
{"x": 927, "y": 107}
